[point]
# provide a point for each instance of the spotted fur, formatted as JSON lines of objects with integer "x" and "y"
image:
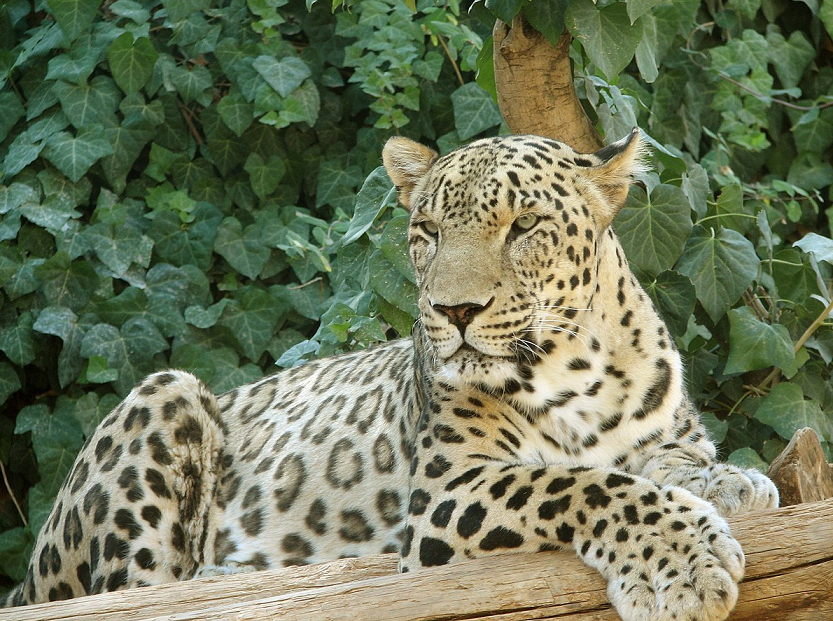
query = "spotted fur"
{"x": 540, "y": 404}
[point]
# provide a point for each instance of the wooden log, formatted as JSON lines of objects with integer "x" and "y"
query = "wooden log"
{"x": 800, "y": 472}
{"x": 789, "y": 577}
{"x": 534, "y": 83}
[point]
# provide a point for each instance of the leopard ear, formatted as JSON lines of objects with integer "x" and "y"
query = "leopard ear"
{"x": 619, "y": 164}
{"x": 406, "y": 162}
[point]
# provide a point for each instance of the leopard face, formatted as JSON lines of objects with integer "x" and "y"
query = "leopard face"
{"x": 504, "y": 238}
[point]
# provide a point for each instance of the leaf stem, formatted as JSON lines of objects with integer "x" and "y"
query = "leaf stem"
{"x": 800, "y": 342}
{"x": 453, "y": 62}
{"x": 727, "y": 215}
{"x": 11, "y": 493}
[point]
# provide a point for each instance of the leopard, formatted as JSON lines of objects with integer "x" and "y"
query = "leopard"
{"x": 539, "y": 404}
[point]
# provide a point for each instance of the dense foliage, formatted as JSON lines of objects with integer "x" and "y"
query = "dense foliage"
{"x": 195, "y": 183}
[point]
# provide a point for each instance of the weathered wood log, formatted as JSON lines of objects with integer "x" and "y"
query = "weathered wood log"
{"x": 800, "y": 472}
{"x": 789, "y": 577}
{"x": 535, "y": 90}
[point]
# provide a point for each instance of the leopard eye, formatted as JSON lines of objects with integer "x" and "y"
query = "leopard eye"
{"x": 430, "y": 228}
{"x": 526, "y": 222}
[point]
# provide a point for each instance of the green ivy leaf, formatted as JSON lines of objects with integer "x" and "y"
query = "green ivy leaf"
{"x": 809, "y": 170}
{"x": 695, "y": 186}
{"x": 715, "y": 427}
{"x": 56, "y": 438}
{"x": 377, "y": 194}
{"x": 67, "y": 283}
{"x": 786, "y": 410}
{"x": 15, "y": 195}
{"x": 243, "y": 250}
{"x": 394, "y": 245}
{"x": 16, "y": 340}
{"x": 791, "y": 57}
{"x": 15, "y": 549}
{"x": 638, "y": 8}
{"x": 85, "y": 104}
{"x": 821, "y": 247}
{"x": 181, "y": 9}
{"x": 230, "y": 374}
{"x": 98, "y": 372}
{"x": 73, "y": 16}
{"x": 9, "y": 381}
{"x": 303, "y": 106}
{"x": 547, "y": 18}
{"x": 265, "y": 175}
{"x": 186, "y": 245}
{"x": 131, "y": 61}
{"x": 389, "y": 283}
{"x": 747, "y": 458}
{"x": 192, "y": 82}
{"x": 236, "y": 112}
{"x": 13, "y": 111}
{"x": 252, "y": 316}
{"x": 55, "y": 320}
{"x": 128, "y": 140}
{"x": 73, "y": 156}
{"x": 116, "y": 246}
{"x": 205, "y": 317}
{"x": 653, "y": 230}
{"x": 674, "y": 295}
{"x": 336, "y": 184}
{"x": 721, "y": 265}
{"x": 504, "y": 10}
{"x": 474, "y": 111}
{"x": 607, "y": 35}
{"x": 755, "y": 344}
{"x": 129, "y": 350}
{"x": 283, "y": 75}
{"x": 646, "y": 50}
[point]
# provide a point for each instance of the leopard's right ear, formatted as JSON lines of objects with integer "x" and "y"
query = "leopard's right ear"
{"x": 406, "y": 162}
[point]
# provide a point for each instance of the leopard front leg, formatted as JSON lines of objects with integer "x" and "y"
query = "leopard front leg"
{"x": 730, "y": 489}
{"x": 666, "y": 554}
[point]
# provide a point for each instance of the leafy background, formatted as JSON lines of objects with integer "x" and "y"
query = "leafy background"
{"x": 195, "y": 183}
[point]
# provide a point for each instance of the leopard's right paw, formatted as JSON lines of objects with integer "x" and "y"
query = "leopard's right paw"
{"x": 680, "y": 563}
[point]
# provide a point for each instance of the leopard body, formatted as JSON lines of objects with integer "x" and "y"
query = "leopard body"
{"x": 540, "y": 404}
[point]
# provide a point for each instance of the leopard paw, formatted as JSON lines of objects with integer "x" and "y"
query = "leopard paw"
{"x": 684, "y": 567}
{"x": 734, "y": 490}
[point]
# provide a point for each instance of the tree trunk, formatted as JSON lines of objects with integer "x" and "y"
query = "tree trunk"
{"x": 534, "y": 83}
{"x": 789, "y": 577}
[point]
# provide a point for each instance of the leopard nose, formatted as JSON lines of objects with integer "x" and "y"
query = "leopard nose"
{"x": 461, "y": 315}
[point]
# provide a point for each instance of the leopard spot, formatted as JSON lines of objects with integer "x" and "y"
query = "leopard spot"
{"x": 315, "y": 517}
{"x": 501, "y": 537}
{"x": 355, "y": 527}
{"x": 434, "y": 552}
{"x": 73, "y": 530}
{"x": 252, "y": 522}
{"x": 471, "y": 521}
{"x": 442, "y": 514}
{"x": 291, "y": 474}
{"x": 384, "y": 458}
{"x": 389, "y": 504}
{"x": 345, "y": 466}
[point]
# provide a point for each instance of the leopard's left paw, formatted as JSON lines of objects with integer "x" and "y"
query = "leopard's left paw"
{"x": 734, "y": 490}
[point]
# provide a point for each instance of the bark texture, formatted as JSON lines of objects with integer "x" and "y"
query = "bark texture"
{"x": 535, "y": 91}
{"x": 789, "y": 577}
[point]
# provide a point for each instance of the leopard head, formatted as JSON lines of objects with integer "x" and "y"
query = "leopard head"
{"x": 504, "y": 236}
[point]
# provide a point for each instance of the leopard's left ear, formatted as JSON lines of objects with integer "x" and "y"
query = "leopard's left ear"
{"x": 620, "y": 163}
{"x": 406, "y": 162}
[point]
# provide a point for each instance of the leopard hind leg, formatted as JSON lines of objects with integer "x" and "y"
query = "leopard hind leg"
{"x": 136, "y": 506}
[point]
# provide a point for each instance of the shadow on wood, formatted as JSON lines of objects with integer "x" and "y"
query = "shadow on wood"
{"x": 789, "y": 577}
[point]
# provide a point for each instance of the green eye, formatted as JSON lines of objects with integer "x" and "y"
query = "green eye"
{"x": 526, "y": 221}
{"x": 430, "y": 228}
